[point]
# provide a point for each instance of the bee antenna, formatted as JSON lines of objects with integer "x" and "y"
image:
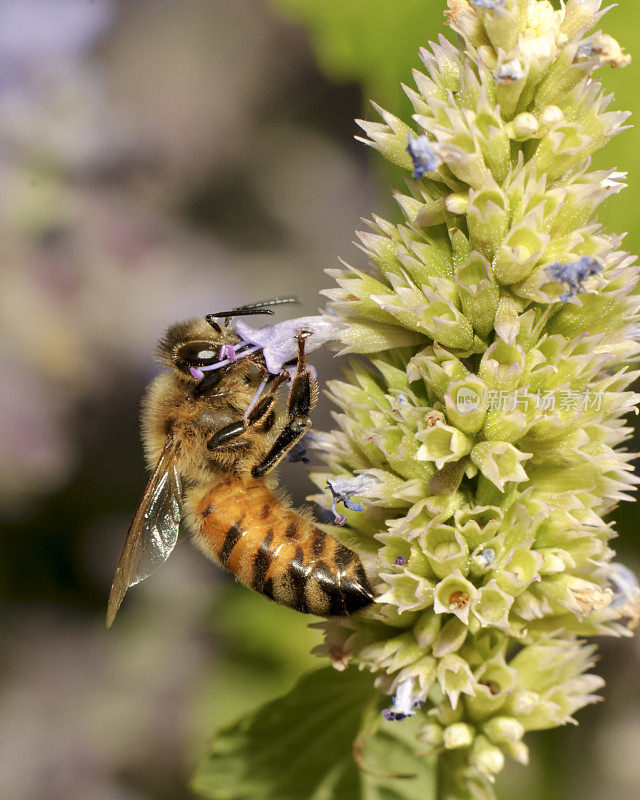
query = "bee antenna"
{"x": 250, "y": 310}
{"x": 275, "y": 301}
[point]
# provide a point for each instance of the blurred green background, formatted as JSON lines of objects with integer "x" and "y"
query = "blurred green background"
{"x": 157, "y": 160}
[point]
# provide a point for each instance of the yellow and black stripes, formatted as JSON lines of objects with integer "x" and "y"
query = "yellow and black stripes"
{"x": 270, "y": 548}
{"x": 262, "y": 562}
{"x": 231, "y": 538}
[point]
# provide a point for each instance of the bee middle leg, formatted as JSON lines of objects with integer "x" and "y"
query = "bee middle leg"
{"x": 302, "y": 399}
{"x": 256, "y": 414}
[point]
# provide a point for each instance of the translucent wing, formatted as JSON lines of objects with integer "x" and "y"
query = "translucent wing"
{"x": 153, "y": 531}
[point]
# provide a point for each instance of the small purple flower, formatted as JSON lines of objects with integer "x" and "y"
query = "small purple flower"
{"x": 425, "y": 158}
{"x": 399, "y": 561}
{"x": 45, "y": 31}
{"x": 343, "y": 489}
{"x": 278, "y": 342}
{"x": 574, "y": 274}
{"x": 404, "y": 702}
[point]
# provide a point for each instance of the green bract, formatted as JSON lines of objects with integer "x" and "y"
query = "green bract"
{"x": 499, "y": 324}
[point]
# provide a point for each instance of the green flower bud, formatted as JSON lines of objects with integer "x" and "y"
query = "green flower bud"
{"x": 458, "y": 736}
{"x": 455, "y": 678}
{"x": 446, "y": 549}
{"x": 486, "y": 757}
{"x": 426, "y": 629}
{"x": 518, "y": 751}
{"x": 451, "y": 638}
{"x": 431, "y": 733}
{"x": 441, "y": 444}
{"x": 504, "y": 730}
{"x": 524, "y": 127}
{"x": 491, "y": 606}
{"x": 499, "y": 462}
{"x": 478, "y": 292}
{"x": 487, "y": 216}
{"x": 465, "y": 404}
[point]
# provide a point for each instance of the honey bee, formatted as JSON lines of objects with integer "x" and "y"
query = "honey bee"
{"x": 211, "y": 426}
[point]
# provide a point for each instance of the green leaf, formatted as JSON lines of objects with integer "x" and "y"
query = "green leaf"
{"x": 391, "y": 767}
{"x": 295, "y": 748}
{"x": 300, "y": 747}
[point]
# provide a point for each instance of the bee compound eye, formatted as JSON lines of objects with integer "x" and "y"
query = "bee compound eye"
{"x": 196, "y": 354}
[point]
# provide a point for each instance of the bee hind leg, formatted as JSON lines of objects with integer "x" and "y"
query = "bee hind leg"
{"x": 303, "y": 394}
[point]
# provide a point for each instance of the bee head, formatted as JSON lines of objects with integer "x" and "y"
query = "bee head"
{"x": 199, "y": 346}
{"x": 195, "y": 343}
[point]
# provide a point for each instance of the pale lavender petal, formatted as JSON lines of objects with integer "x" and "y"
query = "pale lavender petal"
{"x": 279, "y": 343}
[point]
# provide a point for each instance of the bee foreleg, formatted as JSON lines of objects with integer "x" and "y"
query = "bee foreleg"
{"x": 208, "y": 383}
{"x": 302, "y": 399}
{"x": 256, "y": 414}
{"x": 240, "y": 426}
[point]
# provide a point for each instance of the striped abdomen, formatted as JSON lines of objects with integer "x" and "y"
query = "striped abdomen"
{"x": 271, "y": 549}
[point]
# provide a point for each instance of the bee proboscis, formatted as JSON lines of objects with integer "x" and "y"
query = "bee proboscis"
{"x": 210, "y": 425}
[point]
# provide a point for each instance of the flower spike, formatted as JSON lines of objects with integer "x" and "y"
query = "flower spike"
{"x": 495, "y": 327}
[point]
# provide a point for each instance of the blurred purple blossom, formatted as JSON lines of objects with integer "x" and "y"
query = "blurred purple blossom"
{"x": 36, "y": 32}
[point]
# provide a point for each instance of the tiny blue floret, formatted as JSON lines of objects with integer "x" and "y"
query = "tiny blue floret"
{"x": 404, "y": 702}
{"x": 298, "y": 453}
{"x": 487, "y": 557}
{"x": 624, "y": 583}
{"x": 490, "y": 5}
{"x": 510, "y": 72}
{"x": 424, "y": 157}
{"x": 574, "y": 274}
{"x": 343, "y": 489}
